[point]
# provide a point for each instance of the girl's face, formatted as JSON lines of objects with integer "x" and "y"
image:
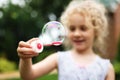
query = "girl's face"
{"x": 79, "y": 34}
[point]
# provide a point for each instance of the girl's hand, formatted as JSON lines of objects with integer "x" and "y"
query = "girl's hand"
{"x": 25, "y": 50}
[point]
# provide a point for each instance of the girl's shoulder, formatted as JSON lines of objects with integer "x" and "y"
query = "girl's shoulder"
{"x": 103, "y": 61}
{"x": 104, "y": 64}
{"x": 63, "y": 54}
{"x": 107, "y": 67}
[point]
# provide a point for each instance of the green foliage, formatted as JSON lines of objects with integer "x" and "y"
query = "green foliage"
{"x": 6, "y": 66}
{"x": 118, "y": 55}
{"x": 46, "y": 77}
{"x": 47, "y": 51}
{"x": 49, "y": 77}
{"x": 117, "y": 67}
{"x": 116, "y": 63}
{"x": 22, "y": 23}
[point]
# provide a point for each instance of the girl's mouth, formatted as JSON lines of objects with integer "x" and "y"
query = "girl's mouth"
{"x": 79, "y": 41}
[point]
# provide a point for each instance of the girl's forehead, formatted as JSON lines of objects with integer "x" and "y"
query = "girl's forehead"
{"x": 77, "y": 18}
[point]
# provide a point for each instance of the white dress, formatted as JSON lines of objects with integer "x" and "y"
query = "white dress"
{"x": 68, "y": 70}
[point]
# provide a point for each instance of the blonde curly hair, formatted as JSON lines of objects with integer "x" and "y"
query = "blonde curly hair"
{"x": 95, "y": 15}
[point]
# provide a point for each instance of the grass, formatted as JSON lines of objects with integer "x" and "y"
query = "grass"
{"x": 54, "y": 77}
{"x": 49, "y": 77}
{"x": 46, "y": 77}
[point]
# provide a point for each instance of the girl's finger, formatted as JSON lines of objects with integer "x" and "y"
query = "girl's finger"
{"x": 25, "y": 50}
{"x": 24, "y": 44}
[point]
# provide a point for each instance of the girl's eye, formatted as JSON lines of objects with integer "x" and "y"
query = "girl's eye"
{"x": 72, "y": 28}
{"x": 83, "y": 28}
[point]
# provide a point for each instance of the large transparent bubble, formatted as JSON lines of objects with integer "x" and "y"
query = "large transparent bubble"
{"x": 53, "y": 33}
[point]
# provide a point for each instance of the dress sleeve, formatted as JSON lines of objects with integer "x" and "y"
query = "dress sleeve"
{"x": 106, "y": 68}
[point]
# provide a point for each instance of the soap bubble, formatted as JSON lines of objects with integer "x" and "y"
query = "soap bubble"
{"x": 53, "y": 33}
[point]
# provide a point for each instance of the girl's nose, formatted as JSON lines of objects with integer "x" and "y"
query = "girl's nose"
{"x": 77, "y": 33}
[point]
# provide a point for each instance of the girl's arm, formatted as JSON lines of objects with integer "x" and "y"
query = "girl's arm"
{"x": 25, "y": 67}
{"x": 28, "y": 71}
{"x": 111, "y": 73}
{"x": 45, "y": 66}
{"x": 31, "y": 72}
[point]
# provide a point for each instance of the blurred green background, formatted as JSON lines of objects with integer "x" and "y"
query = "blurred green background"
{"x": 24, "y": 19}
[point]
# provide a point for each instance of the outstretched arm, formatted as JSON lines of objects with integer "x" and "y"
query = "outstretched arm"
{"x": 31, "y": 72}
{"x": 28, "y": 71}
{"x": 45, "y": 66}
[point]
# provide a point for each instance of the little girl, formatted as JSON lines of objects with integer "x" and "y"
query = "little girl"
{"x": 87, "y": 27}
